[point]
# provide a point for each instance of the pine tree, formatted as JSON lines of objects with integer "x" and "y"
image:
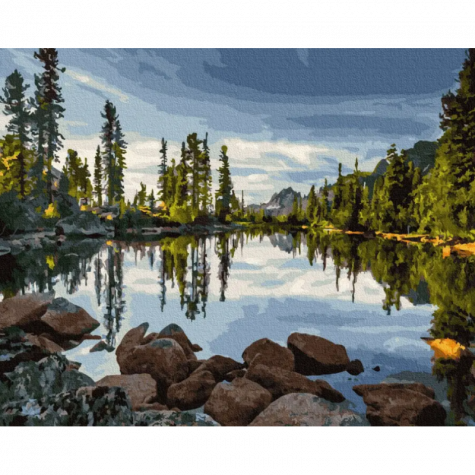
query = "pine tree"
{"x": 396, "y": 193}
{"x": 142, "y": 195}
{"x": 98, "y": 176}
{"x": 195, "y": 153}
{"x": 225, "y": 186}
{"x": 107, "y": 138}
{"x": 16, "y": 106}
{"x": 48, "y": 111}
{"x": 205, "y": 178}
{"x": 120, "y": 149}
{"x": 312, "y": 204}
{"x": 151, "y": 201}
{"x": 163, "y": 184}
{"x": 450, "y": 201}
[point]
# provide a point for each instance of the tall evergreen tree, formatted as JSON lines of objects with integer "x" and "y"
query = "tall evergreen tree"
{"x": 16, "y": 106}
{"x": 98, "y": 176}
{"x": 163, "y": 185}
{"x": 48, "y": 100}
{"x": 225, "y": 186}
{"x": 205, "y": 178}
{"x": 312, "y": 205}
{"x": 450, "y": 200}
{"x": 120, "y": 149}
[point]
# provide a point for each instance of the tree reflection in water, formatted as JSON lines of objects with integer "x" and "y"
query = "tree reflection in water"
{"x": 417, "y": 271}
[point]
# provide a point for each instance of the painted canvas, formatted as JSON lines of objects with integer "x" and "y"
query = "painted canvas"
{"x": 237, "y": 237}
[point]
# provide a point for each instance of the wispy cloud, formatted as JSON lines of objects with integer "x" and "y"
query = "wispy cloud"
{"x": 96, "y": 84}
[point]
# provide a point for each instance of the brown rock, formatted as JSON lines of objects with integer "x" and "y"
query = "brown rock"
{"x": 238, "y": 403}
{"x": 163, "y": 359}
{"x": 176, "y": 333}
{"x": 401, "y": 404}
{"x": 237, "y": 373}
{"x": 315, "y": 355}
{"x": 355, "y": 367}
{"x": 129, "y": 341}
{"x": 269, "y": 353}
{"x": 192, "y": 392}
{"x": 280, "y": 382}
{"x": 45, "y": 344}
{"x": 67, "y": 319}
{"x": 306, "y": 410}
{"x": 23, "y": 310}
{"x": 141, "y": 388}
{"x": 220, "y": 366}
{"x": 194, "y": 364}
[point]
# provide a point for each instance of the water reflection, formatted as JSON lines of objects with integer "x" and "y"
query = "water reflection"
{"x": 418, "y": 272}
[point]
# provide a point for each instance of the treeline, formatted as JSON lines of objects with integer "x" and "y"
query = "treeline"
{"x": 184, "y": 188}
{"x": 33, "y": 192}
{"x": 29, "y": 183}
{"x": 402, "y": 200}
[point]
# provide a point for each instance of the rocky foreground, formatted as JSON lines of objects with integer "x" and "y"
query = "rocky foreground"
{"x": 162, "y": 382}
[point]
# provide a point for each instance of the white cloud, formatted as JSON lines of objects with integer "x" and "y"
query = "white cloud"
{"x": 95, "y": 84}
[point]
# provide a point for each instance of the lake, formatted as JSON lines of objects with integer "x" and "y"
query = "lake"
{"x": 378, "y": 298}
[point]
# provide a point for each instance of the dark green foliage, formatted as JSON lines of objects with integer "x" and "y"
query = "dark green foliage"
{"x": 16, "y": 106}
{"x": 48, "y": 110}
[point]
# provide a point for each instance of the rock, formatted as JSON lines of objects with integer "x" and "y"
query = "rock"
{"x": 315, "y": 355}
{"x": 15, "y": 348}
{"x": 220, "y": 366}
{"x": 194, "y": 364}
{"x": 269, "y": 353}
{"x": 232, "y": 375}
{"x": 163, "y": 359}
{"x": 154, "y": 406}
{"x": 176, "y": 333}
{"x": 401, "y": 404}
{"x": 306, "y": 410}
{"x": 192, "y": 392}
{"x": 101, "y": 346}
{"x": 141, "y": 388}
{"x": 23, "y": 310}
{"x": 129, "y": 341}
{"x": 68, "y": 320}
{"x": 45, "y": 344}
{"x": 280, "y": 382}
{"x": 172, "y": 418}
{"x": 238, "y": 403}
{"x": 355, "y": 367}
{"x": 377, "y": 369}
{"x": 83, "y": 224}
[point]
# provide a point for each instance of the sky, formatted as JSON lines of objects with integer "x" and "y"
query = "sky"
{"x": 288, "y": 116}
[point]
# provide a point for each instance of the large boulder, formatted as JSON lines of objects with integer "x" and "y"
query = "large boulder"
{"x": 192, "y": 392}
{"x": 130, "y": 340}
{"x": 401, "y": 404}
{"x": 23, "y": 310}
{"x": 68, "y": 320}
{"x": 306, "y": 410}
{"x": 315, "y": 355}
{"x": 163, "y": 359}
{"x": 269, "y": 353}
{"x": 238, "y": 403}
{"x": 219, "y": 366}
{"x": 175, "y": 332}
{"x": 82, "y": 224}
{"x": 141, "y": 388}
{"x": 280, "y": 382}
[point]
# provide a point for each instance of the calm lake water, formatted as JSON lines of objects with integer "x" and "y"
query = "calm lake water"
{"x": 378, "y": 298}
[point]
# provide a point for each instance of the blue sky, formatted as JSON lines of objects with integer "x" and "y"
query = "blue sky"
{"x": 288, "y": 116}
